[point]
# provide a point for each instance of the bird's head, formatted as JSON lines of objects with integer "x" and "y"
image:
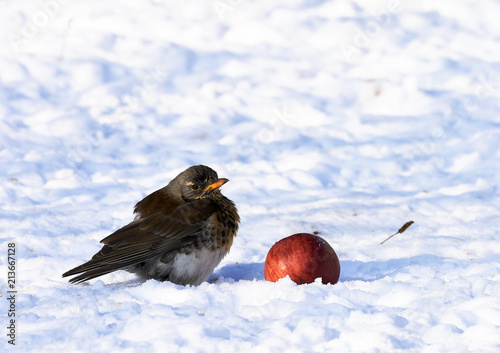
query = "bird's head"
{"x": 198, "y": 182}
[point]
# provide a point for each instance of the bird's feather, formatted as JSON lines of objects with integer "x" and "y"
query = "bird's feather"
{"x": 145, "y": 238}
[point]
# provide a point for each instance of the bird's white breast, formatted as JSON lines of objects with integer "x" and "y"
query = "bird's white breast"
{"x": 197, "y": 266}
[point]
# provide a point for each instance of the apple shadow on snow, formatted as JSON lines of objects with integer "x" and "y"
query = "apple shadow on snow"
{"x": 349, "y": 270}
{"x": 374, "y": 270}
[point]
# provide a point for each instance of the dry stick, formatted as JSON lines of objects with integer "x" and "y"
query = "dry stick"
{"x": 401, "y": 230}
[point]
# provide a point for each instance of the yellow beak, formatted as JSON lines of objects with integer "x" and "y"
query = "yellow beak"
{"x": 217, "y": 184}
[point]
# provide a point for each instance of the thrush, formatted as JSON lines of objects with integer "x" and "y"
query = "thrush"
{"x": 180, "y": 233}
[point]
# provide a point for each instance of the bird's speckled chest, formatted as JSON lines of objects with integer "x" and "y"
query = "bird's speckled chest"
{"x": 219, "y": 230}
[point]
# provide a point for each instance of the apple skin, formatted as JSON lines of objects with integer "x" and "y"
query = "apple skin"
{"x": 304, "y": 257}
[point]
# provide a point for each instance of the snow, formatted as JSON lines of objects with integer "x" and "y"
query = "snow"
{"x": 343, "y": 118}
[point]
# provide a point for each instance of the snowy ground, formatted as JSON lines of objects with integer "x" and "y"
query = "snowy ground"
{"x": 345, "y": 118}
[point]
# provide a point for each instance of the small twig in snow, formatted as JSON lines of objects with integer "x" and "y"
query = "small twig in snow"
{"x": 401, "y": 230}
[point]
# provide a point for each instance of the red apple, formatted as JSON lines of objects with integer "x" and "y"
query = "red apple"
{"x": 304, "y": 257}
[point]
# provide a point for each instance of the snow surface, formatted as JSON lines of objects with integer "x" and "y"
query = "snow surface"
{"x": 344, "y": 118}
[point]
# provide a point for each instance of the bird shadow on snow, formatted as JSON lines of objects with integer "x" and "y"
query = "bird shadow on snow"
{"x": 374, "y": 270}
{"x": 241, "y": 271}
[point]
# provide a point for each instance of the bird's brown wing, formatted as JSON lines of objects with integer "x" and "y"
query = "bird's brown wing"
{"x": 145, "y": 238}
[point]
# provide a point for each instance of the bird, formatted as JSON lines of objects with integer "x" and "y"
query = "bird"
{"x": 180, "y": 233}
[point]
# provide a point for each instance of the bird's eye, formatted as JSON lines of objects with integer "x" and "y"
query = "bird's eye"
{"x": 195, "y": 187}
